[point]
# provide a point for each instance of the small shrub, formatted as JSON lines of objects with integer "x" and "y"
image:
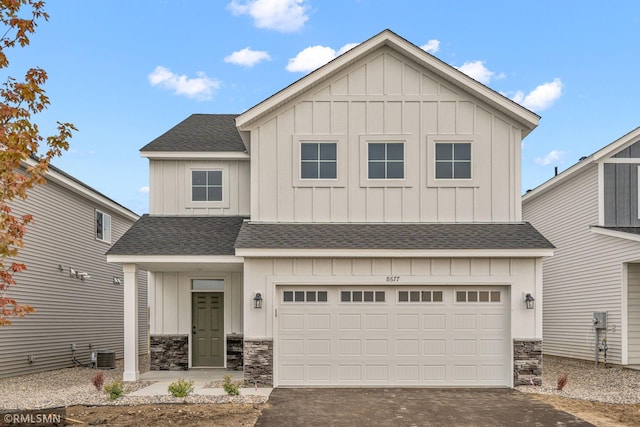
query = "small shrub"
{"x": 114, "y": 389}
{"x": 181, "y": 388}
{"x": 562, "y": 381}
{"x": 98, "y": 380}
{"x": 232, "y": 388}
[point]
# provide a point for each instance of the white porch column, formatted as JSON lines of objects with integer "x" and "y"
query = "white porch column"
{"x": 131, "y": 372}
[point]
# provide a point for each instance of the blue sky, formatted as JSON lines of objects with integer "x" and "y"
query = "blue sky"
{"x": 124, "y": 72}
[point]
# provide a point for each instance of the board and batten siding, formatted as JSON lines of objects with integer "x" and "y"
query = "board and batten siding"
{"x": 170, "y": 301}
{"x": 170, "y": 191}
{"x": 385, "y": 94}
{"x": 88, "y": 313}
{"x": 585, "y": 274}
{"x": 519, "y": 275}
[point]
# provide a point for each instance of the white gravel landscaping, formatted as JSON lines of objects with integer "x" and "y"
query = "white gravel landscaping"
{"x": 587, "y": 381}
{"x": 73, "y": 386}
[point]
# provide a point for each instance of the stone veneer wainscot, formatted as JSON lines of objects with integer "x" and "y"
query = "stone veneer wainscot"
{"x": 527, "y": 362}
{"x": 258, "y": 362}
{"x": 169, "y": 353}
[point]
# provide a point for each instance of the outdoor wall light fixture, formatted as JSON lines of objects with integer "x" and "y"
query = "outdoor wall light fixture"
{"x": 257, "y": 300}
{"x": 529, "y": 301}
{"x": 117, "y": 280}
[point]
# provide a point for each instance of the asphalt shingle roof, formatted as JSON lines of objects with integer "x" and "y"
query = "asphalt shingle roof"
{"x": 179, "y": 235}
{"x": 200, "y": 132}
{"x": 391, "y": 236}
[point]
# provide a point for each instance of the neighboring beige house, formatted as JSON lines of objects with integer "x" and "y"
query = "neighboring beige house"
{"x": 361, "y": 227}
{"x": 78, "y": 297}
{"x": 590, "y": 213}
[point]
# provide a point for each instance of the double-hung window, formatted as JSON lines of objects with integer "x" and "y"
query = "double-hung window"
{"x": 453, "y": 160}
{"x": 103, "y": 226}
{"x": 385, "y": 160}
{"x": 318, "y": 160}
{"x": 206, "y": 185}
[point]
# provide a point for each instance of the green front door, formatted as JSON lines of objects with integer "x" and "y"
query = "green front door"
{"x": 207, "y": 328}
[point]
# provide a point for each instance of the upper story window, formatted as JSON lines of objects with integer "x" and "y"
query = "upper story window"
{"x": 318, "y": 160}
{"x": 103, "y": 226}
{"x": 206, "y": 186}
{"x": 386, "y": 160}
{"x": 453, "y": 160}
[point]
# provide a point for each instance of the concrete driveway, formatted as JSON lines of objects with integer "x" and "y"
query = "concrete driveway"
{"x": 409, "y": 407}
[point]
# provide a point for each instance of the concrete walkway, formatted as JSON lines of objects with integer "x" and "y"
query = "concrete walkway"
{"x": 200, "y": 378}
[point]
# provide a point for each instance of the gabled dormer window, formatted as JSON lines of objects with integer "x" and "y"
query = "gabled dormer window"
{"x": 206, "y": 186}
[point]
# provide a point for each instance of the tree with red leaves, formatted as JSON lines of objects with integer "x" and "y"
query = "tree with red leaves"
{"x": 24, "y": 154}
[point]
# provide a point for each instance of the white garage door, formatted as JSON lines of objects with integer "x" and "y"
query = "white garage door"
{"x": 380, "y": 336}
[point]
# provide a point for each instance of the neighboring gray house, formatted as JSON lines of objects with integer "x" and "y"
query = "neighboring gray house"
{"x": 361, "y": 227}
{"x": 590, "y": 213}
{"x": 78, "y": 297}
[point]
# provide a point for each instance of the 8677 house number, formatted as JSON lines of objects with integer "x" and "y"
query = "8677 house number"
{"x": 393, "y": 279}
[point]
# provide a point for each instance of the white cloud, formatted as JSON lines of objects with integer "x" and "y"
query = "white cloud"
{"x": 477, "y": 70}
{"x": 553, "y": 157}
{"x": 247, "y": 57}
{"x": 280, "y": 15}
{"x": 144, "y": 189}
{"x": 200, "y": 87}
{"x": 542, "y": 97}
{"x": 432, "y": 46}
{"x": 314, "y": 57}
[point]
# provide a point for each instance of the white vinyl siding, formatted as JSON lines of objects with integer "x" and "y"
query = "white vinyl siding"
{"x": 386, "y": 96}
{"x": 585, "y": 273}
{"x": 89, "y": 312}
{"x": 633, "y": 307}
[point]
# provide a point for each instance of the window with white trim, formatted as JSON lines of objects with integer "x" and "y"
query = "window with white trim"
{"x": 318, "y": 160}
{"x": 103, "y": 226}
{"x": 385, "y": 160}
{"x": 453, "y": 160}
{"x": 366, "y": 296}
{"x": 206, "y": 185}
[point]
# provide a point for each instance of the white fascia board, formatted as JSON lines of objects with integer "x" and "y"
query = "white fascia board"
{"x": 388, "y": 38}
{"x": 197, "y": 155}
{"x": 85, "y": 192}
{"x": 394, "y": 253}
{"x": 615, "y": 233}
{"x": 175, "y": 259}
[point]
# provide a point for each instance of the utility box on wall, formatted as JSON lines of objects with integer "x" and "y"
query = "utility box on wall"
{"x": 600, "y": 319}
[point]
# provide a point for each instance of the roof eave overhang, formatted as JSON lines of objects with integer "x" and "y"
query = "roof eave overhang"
{"x": 615, "y": 233}
{"x": 195, "y": 155}
{"x": 392, "y": 253}
{"x": 175, "y": 259}
{"x": 528, "y": 119}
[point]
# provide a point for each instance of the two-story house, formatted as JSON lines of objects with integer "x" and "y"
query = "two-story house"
{"x": 361, "y": 227}
{"x": 77, "y": 295}
{"x": 590, "y": 212}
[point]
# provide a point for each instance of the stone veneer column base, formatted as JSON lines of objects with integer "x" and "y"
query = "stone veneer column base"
{"x": 527, "y": 362}
{"x": 234, "y": 352}
{"x": 258, "y": 362}
{"x": 169, "y": 353}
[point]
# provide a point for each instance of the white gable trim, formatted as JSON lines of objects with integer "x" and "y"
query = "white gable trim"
{"x": 199, "y": 155}
{"x": 526, "y": 118}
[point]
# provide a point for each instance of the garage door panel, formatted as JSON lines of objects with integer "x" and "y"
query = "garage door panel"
{"x": 411, "y": 342}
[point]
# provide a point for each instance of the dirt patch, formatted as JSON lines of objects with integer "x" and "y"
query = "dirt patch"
{"x": 597, "y": 413}
{"x": 240, "y": 415}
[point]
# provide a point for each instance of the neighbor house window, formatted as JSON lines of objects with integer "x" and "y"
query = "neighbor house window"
{"x": 318, "y": 160}
{"x": 386, "y": 160}
{"x": 103, "y": 226}
{"x": 453, "y": 160}
{"x": 206, "y": 186}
